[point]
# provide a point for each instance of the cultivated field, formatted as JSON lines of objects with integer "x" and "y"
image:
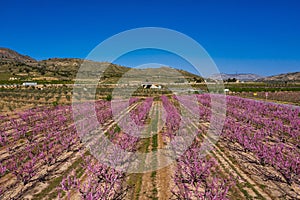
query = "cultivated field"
{"x": 257, "y": 156}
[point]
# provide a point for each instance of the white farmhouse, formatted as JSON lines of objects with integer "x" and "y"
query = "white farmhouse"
{"x": 29, "y": 84}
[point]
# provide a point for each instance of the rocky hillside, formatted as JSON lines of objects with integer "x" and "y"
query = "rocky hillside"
{"x": 241, "y": 77}
{"x": 294, "y": 76}
{"x": 12, "y": 56}
{"x": 14, "y": 66}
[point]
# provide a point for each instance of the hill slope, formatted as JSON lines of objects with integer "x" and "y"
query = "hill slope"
{"x": 294, "y": 76}
{"x": 241, "y": 77}
{"x": 17, "y": 66}
{"x": 13, "y": 56}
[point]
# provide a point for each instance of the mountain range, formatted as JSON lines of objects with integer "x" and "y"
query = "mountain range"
{"x": 293, "y": 76}
{"x": 18, "y": 66}
{"x": 241, "y": 77}
{"x": 21, "y": 67}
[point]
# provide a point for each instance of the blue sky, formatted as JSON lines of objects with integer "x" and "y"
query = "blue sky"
{"x": 242, "y": 36}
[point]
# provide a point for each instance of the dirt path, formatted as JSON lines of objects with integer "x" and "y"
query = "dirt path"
{"x": 164, "y": 176}
{"x": 142, "y": 183}
{"x": 155, "y": 184}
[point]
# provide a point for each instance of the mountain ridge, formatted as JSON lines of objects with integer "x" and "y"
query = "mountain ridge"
{"x": 17, "y": 66}
{"x": 291, "y": 76}
{"x": 23, "y": 67}
{"x": 11, "y": 55}
{"x": 240, "y": 76}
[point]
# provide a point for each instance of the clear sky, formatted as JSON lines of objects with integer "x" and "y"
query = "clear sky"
{"x": 242, "y": 36}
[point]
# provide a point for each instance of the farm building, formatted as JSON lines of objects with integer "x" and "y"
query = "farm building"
{"x": 151, "y": 86}
{"x": 29, "y": 84}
